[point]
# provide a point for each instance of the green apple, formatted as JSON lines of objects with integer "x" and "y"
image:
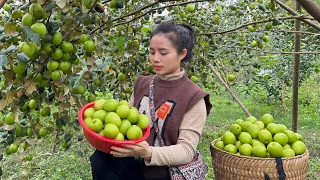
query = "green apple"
{"x": 89, "y": 112}
{"x": 19, "y": 68}
{"x": 231, "y": 77}
{"x": 33, "y": 104}
{"x": 230, "y": 148}
{"x": 56, "y": 74}
{"x": 100, "y": 114}
{"x": 27, "y": 20}
{"x": 299, "y": 137}
{"x": 260, "y": 124}
{"x": 6, "y": 7}
{"x": 26, "y": 48}
{"x": 98, "y": 105}
{"x": 87, "y": 120}
{"x": 13, "y": 148}
{"x": 273, "y": 128}
{"x": 251, "y": 119}
{"x": 228, "y": 138}
{"x": 123, "y": 111}
{"x": 256, "y": 142}
{"x": 281, "y": 138}
{"x": 96, "y": 125}
{"x": 238, "y": 144}
{"x": 113, "y": 118}
{"x": 124, "y": 102}
{"x": 282, "y": 127}
{"x": 235, "y": 129}
{"x": 125, "y": 124}
{"x": 67, "y": 47}
{"x": 286, "y": 146}
{"x": 288, "y": 153}
{"x": 29, "y": 157}
{"x": 119, "y": 137}
{"x": 43, "y": 132}
{"x": 245, "y": 138}
{"x": 292, "y": 137}
{"x": 134, "y": 132}
{"x": 143, "y": 121}
{"x": 245, "y": 125}
{"x": 253, "y": 130}
{"x": 39, "y": 28}
{"x": 267, "y": 119}
{"x": 265, "y": 136}
{"x": 275, "y": 149}
{"x": 219, "y": 145}
{"x": 133, "y": 115}
{"x": 52, "y": 65}
{"x": 245, "y": 149}
{"x": 298, "y": 147}
{"x": 190, "y": 8}
{"x": 111, "y": 105}
{"x": 45, "y": 111}
{"x": 88, "y": 46}
{"x": 238, "y": 121}
{"x": 57, "y": 38}
{"x": 9, "y": 118}
{"x": 36, "y": 10}
{"x": 110, "y": 130}
{"x": 259, "y": 151}
{"x": 194, "y": 79}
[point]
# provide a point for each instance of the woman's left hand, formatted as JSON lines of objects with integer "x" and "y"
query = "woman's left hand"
{"x": 141, "y": 149}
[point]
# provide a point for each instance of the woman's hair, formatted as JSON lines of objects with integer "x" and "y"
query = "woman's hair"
{"x": 182, "y": 36}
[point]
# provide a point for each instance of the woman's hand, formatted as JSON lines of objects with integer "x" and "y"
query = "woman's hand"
{"x": 141, "y": 149}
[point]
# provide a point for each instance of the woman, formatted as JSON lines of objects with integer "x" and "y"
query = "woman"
{"x": 181, "y": 108}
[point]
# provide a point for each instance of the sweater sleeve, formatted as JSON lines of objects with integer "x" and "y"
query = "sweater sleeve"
{"x": 189, "y": 135}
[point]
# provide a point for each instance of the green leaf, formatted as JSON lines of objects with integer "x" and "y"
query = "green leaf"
{"x": 52, "y": 27}
{"x": 75, "y": 80}
{"x": 23, "y": 57}
{"x": 30, "y": 35}
{"x": 3, "y": 60}
{"x": 49, "y": 7}
{"x": 9, "y": 49}
{"x": 61, "y": 3}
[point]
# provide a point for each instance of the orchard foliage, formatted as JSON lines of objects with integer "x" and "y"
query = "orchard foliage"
{"x": 57, "y": 55}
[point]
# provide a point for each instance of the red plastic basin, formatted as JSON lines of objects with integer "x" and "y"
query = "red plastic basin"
{"x": 103, "y": 143}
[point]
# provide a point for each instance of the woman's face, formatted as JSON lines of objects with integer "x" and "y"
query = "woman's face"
{"x": 164, "y": 56}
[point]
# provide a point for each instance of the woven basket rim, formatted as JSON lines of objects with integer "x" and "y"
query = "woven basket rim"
{"x": 212, "y": 144}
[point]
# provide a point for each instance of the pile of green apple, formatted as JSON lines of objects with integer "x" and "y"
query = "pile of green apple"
{"x": 62, "y": 54}
{"x": 261, "y": 138}
{"x": 115, "y": 119}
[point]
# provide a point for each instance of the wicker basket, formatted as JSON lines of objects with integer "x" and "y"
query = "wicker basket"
{"x": 229, "y": 166}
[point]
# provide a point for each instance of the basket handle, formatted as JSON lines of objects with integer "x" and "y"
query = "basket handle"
{"x": 282, "y": 174}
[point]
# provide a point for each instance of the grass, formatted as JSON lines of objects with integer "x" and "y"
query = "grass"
{"x": 74, "y": 163}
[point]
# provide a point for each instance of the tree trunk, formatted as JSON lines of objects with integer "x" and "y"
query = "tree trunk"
{"x": 311, "y": 8}
{"x": 283, "y": 97}
{"x": 293, "y": 12}
{"x": 295, "y": 88}
{"x": 230, "y": 91}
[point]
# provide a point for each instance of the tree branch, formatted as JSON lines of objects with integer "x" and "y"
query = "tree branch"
{"x": 255, "y": 22}
{"x": 79, "y": 23}
{"x": 2, "y": 3}
{"x": 141, "y": 15}
{"x": 229, "y": 90}
{"x": 293, "y": 12}
{"x": 311, "y": 8}
{"x": 126, "y": 15}
{"x": 272, "y": 52}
